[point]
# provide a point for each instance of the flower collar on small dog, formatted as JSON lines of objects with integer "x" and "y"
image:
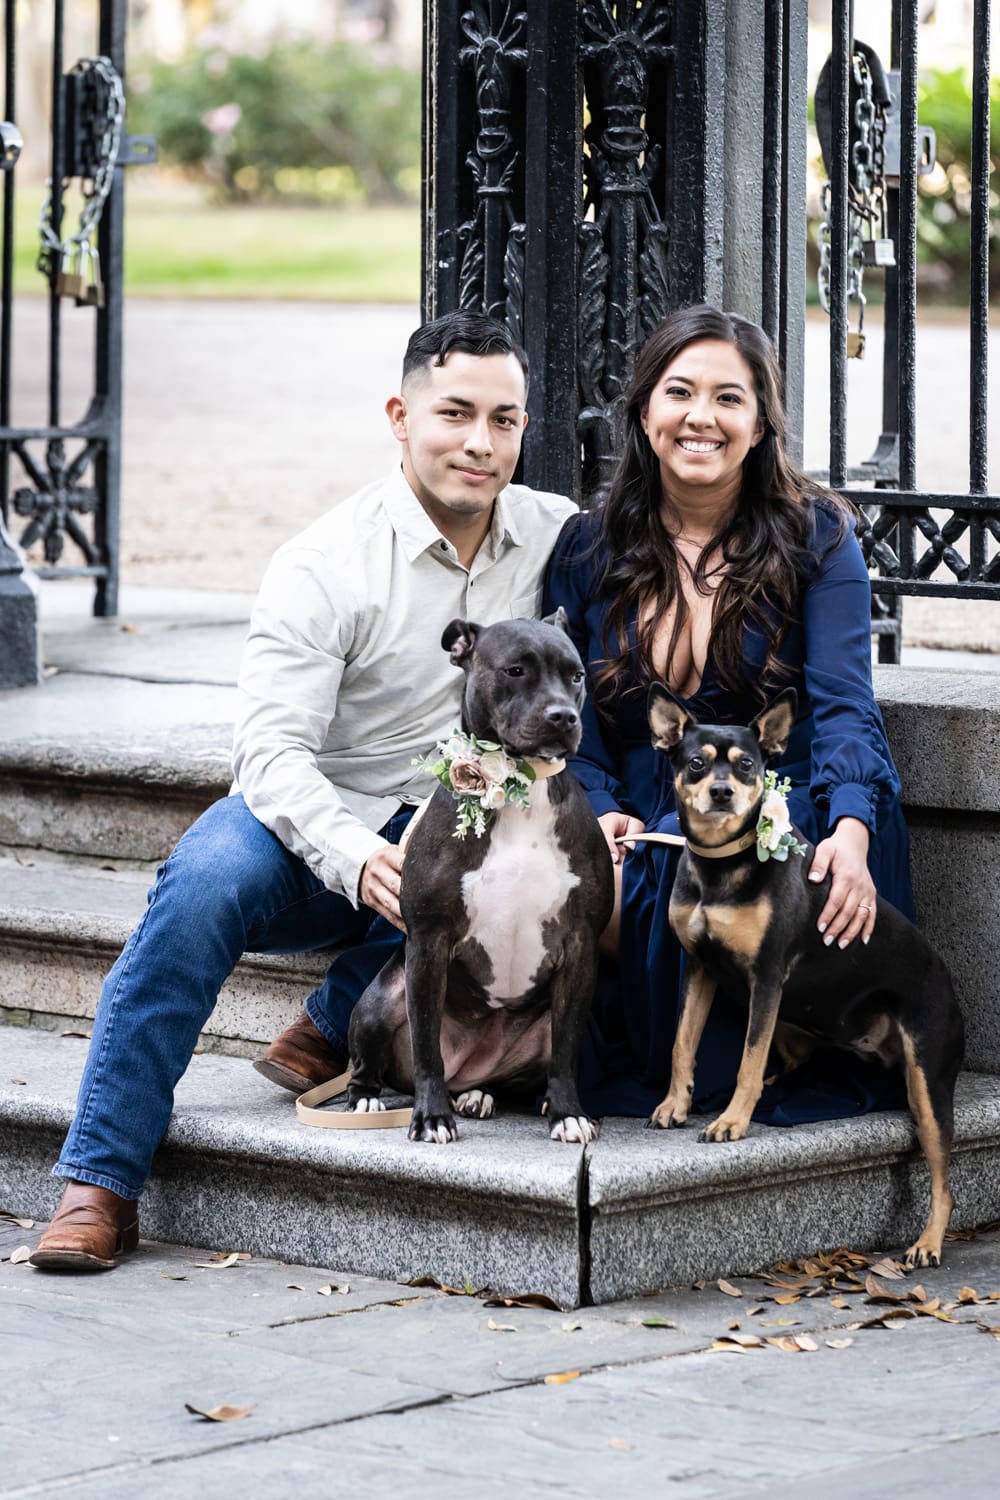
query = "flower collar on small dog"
{"x": 775, "y": 839}
{"x": 483, "y": 778}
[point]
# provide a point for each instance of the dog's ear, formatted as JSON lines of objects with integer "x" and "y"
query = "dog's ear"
{"x": 560, "y": 619}
{"x": 668, "y": 719}
{"x": 774, "y": 725}
{"x": 458, "y": 640}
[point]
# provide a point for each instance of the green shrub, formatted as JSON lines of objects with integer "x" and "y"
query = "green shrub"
{"x": 945, "y": 101}
{"x": 302, "y": 121}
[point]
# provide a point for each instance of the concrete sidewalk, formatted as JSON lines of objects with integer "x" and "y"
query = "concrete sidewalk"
{"x": 373, "y": 1388}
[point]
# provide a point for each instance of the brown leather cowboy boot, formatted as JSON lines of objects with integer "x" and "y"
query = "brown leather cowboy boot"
{"x": 90, "y": 1228}
{"x": 300, "y": 1058}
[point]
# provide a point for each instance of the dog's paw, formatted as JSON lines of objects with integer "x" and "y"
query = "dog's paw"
{"x": 574, "y": 1129}
{"x": 436, "y": 1129}
{"x": 925, "y": 1252}
{"x": 475, "y": 1104}
{"x": 368, "y": 1104}
{"x": 728, "y": 1127}
{"x": 669, "y": 1114}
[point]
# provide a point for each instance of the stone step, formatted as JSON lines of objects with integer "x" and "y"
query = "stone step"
{"x": 504, "y": 1206}
{"x": 63, "y": 922}
{"x": 110, "y": 766}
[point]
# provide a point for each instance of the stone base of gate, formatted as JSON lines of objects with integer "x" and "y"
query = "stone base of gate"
{"x": 504, "y": 1207}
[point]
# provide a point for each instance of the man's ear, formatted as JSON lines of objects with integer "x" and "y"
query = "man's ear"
{"x": 560, "y": 620}
{"x": 395, "y": 410}
{"x": 668, "y": 719}
{"x": 459, "y": 639}
{"x": 774, "y": 725}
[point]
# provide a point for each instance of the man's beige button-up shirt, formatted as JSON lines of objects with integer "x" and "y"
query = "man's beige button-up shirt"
{"x": 343, "y": 679}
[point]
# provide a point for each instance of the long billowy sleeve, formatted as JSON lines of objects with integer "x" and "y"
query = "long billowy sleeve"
{"x": 852, "y": 772}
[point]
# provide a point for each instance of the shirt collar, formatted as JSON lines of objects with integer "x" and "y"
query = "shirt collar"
{"x": 416, "y": 531}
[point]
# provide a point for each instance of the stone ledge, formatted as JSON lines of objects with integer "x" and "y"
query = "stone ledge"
{"x": 944, "y": 729}
{"x": 505, "y": 1206}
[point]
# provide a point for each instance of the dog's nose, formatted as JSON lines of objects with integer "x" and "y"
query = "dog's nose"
{"x": 721, "y": 792}
{"x": 561, "y": 716}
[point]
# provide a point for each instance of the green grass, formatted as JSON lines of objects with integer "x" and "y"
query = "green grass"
{"x": 190, "y": 249}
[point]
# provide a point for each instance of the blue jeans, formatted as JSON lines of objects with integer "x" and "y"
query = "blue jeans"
{"x": 230, "y": 887}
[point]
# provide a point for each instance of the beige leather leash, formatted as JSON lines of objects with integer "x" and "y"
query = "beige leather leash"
{"x": 385, "y": 1119}
{"x": 736, "y": 846}
{"x": 308, "y": 1114}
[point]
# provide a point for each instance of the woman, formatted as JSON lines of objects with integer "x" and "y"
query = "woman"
{"x": 717, "y": 567}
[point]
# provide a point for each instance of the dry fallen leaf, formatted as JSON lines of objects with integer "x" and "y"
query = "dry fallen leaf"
{"x": 500, "y": 1327}
{"x": 657, "y": 1322}
{"x": 729, "y": 1289}
{"x": 778, "y": 1322}
{"x": 83, "y": 1035}
{"x": 571, "y": 1327}
{"x": 620, "y": 1443}
{"x": 879, "y": 1293}
{"x": 171, "y": 1276}
{"x": 993, "y": 1331}
{"x": 561, "y": 1379}
{"x": 10, "y": 1218}
{"x": 220, "y": 1413}
{"x": 917, "y": 1294}
{"x": 219, "y": 1262}
{"x": 929, "y": 1307}
{"x": 966, "y": 1295}
{"x": 734, "y": 1324}
{"x": 753, "y": 1311}
{"x": 22, "y": 1082}
{"x": 805, "y": 1342}
{"x": 744, "y": 1340}
{"x": 293, "y": 1286}
{"x": 527, "y": 1299}
{"x": 20, "y": 1255}
{"x": 788, "y": 1298}
{"x": 839, "y": 1343}
{"x": 839, "y": 1302}
{"x": 786, "y": 1343}
{"x": 891, "y": 1270}
{"x": 325, "y": 1291}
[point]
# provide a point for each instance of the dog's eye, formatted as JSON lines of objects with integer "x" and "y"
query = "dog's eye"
{"x": 746, "y": 765}
{"x": 696, "y": 764}
{"x": 514, "y": 671}
{"x": 577, "y": 677}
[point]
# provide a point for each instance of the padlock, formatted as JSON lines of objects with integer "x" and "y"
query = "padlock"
{"x": 94, "y": 291}
{"x": 878, "y": 253}
{"x": 70, "y": 283}
{"x": 855, "y": 345}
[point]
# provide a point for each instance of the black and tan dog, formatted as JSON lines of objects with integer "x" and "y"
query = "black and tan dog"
{"x": 750, "y": 927}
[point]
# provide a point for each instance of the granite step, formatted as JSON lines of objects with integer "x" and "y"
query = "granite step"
{"x": 64, "y": 920}
{"x": 503, "y": 1207}
{"x": 111, "y": 766}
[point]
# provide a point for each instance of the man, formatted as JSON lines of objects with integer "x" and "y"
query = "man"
{"x": 343, "y": 683}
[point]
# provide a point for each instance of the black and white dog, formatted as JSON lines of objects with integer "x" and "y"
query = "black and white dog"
{"x": 502, "y": 929}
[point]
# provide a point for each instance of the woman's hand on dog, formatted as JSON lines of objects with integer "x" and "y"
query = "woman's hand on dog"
{"x": 618, "y": 825}
{"x": 380, "y": 881}
{"x": 850, "y": 907}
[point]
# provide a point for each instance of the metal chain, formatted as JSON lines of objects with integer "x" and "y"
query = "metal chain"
{"x": 54, "y": 250}
{"x": 865, "y": 196}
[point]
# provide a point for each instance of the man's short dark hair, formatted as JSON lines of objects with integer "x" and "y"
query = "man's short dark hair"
{"x": 467, "y": 332}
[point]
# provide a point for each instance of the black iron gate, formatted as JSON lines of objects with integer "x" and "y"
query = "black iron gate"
{"x": 59, "y": 479}
{"x": 590, "y": 164}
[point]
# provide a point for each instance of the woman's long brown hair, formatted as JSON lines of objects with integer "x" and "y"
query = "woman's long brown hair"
{"x": 765, "y": 546}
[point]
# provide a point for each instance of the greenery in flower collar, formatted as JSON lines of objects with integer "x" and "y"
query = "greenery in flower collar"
{"x": 481, "y": 777}
{"x": 775, "y": 837}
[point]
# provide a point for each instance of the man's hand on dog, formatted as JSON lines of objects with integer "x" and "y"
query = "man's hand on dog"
{"x": 380, "y": 880}
{"x": 618, "y": 825}
{"x": 850, "y": 907}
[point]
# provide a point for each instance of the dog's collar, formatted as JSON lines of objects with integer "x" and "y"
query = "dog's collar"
{"x": 543, "y": 769}
{"x": 720, "y": 851}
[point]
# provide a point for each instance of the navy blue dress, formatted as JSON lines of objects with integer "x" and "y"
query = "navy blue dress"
{"x": 839, "y": 764}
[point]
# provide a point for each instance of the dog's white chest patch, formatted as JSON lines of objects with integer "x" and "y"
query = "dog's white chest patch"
{"x": 523, "y": 883}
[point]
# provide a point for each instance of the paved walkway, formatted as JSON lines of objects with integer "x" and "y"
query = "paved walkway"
{"x": 366, "y": 1388}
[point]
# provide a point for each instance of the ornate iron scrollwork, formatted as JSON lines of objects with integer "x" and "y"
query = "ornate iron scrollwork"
{"x": 492, "y": 240}
{"x": 55, "y": 499}
{"x": 624, "y": 240}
